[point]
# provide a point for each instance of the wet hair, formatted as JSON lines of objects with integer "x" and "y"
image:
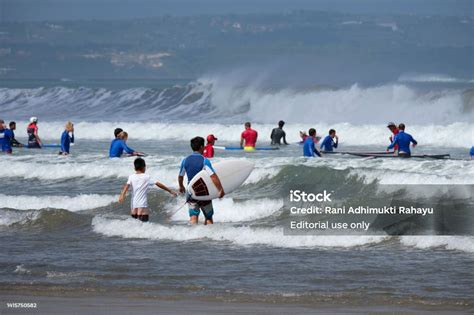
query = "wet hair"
{"x": 2, "y": 121}
{"x": 312, "y": 132}
{"x": 197, "y": 143}
{"x": 281, "y": 123}
{"x": 117, "y": 131}
{"x": 401, "y": 126}
{"x": 69, "y": 125}
{"x": 11, "y": 124}
{"x": 248, "y": 124}
{"x": 331, "y": 131}
{"x": 139, "y": 164}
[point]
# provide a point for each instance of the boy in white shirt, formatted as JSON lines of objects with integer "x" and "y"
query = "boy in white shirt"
{"x": 141, "y": 183}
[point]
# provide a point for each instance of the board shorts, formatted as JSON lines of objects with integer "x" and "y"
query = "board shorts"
{"x": 249, "y": 148}
{"x": 195, "y": 208}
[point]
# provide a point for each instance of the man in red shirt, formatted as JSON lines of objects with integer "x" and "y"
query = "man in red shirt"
{"x": 209, "y": 149}
{"x": 249, "y": 136}
{"x": 393, "y": 128}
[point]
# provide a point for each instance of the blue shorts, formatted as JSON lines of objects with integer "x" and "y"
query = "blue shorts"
{"x": 207, "y": 210}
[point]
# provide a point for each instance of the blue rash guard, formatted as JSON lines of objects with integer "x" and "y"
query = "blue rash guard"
{"x": 403, "y": 140}
{"x": 328, "y": 143}
{"x": 5, "y": 140}
{"x": 117, "y": 147}
{"x": 66, "y": 141}
{"x": 472, "y": 152}
{"x": 193, "y": 164}
{"x": 309, "y": 149}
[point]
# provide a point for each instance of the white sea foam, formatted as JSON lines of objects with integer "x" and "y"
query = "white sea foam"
{"x": 461, "y": 243}
{"x": 432, "y": 77}
{"x": 76, "y": 203}
{"x": 237, "y": 235}
{"x": 228, "y": 210}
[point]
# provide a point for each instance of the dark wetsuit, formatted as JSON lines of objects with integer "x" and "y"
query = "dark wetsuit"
{"x": 277, "y": 135}
{"x": 13, "y": 142}
{"x": 31, "y": 130}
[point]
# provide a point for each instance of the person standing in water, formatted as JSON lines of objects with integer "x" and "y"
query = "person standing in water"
{"x": 5, "y": 138}
{"x": 34, "y": 141}
{"x": 67, "y": 138}
{"x": 209, "y": 149}
{"x": 190, "y": 166}
{"x": 13, "y": 142}
{"x": 402, "y": 140}
{"x": 471, "y": 153}
{"x": 119, "y": 145}
{"x": 309, "y": 145}
{"x": 328, "y": 143}
{"x": 394, "y": 130}
{"x": 278, "y": 134}
{"x": 248, "y": 138}
{"x": 140, "y": 184}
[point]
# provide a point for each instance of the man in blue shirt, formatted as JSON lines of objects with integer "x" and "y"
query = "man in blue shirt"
{"x": 471, "y": 153}
{"x": 190, "y": 166}
{"x": 5, "y": 138}
{"x": 328, "y": 143}
{"x": 119, "y": 145}
{"x": 403, "y": 141}
{"x": 309, "y": 148}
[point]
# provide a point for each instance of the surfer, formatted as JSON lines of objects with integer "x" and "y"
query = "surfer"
{"x": 402, "y": 140}
{"x": 328, "y": 143}
{"x": 119, "y": 145}
{"x": 309, "y": 148}
{"x": 13, "y": 142}
{"x": 278, "y": 134}
{"x": 249, "y": 138}
{"x": 67, "y": 138}
{"x": 34, "y": 141}
{"x": 140, "y": 183}
{"x": 471, "y": 153}
{"x": 394, "y": 130}
{"x": 5, "y": 138}
{"x": 190, "y": 166}
{"x": 209, "y": 149}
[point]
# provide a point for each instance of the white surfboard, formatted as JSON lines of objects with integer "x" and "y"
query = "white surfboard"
{"x": 231, "y": 173}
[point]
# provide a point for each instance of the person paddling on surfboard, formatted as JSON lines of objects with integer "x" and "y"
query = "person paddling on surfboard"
{"x": 278, "y": 134}
{"x": 34, "y": 141}
{"x": 309, "y": 147}
{"x": 403, "y": 140}
{"x": 249, "y": 138}
{"x": 190, "y": 166}
{"x": 209, "y": 149}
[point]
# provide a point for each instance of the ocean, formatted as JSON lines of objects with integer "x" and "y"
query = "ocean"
{"x": 63, "y": 232}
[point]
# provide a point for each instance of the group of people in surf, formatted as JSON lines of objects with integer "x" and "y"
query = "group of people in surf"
{"x": 8, "y": 140}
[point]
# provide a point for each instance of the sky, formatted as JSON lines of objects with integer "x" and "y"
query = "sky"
{"x": 38, "y": 10}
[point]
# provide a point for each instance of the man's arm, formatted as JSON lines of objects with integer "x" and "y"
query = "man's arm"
{"x": 241, "y": 141}
{"x": 316, "y": 151}
{"x": 284, "y": 138}
{"x": 217, "y": 182}
{"x": 392, "y": 145}
{"x": 415, "y": 143}
{"x": 337, "y": 142}
{"x": 182, "y": 171}
{"x": 271, "y": 136}
{"x": 123, "y": 193}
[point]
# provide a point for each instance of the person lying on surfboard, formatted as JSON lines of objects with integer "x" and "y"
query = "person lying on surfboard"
{"x": 248, "y": 138}
{"x": 190, "y": 166}
{"x": 140, "y": 184}
{"x": 328, "y": 143}
{"x": 309, "y": 148}
{"x": 403, "y": 140}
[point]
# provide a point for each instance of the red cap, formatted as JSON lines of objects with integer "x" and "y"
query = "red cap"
{"x": 211, "y": 138}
